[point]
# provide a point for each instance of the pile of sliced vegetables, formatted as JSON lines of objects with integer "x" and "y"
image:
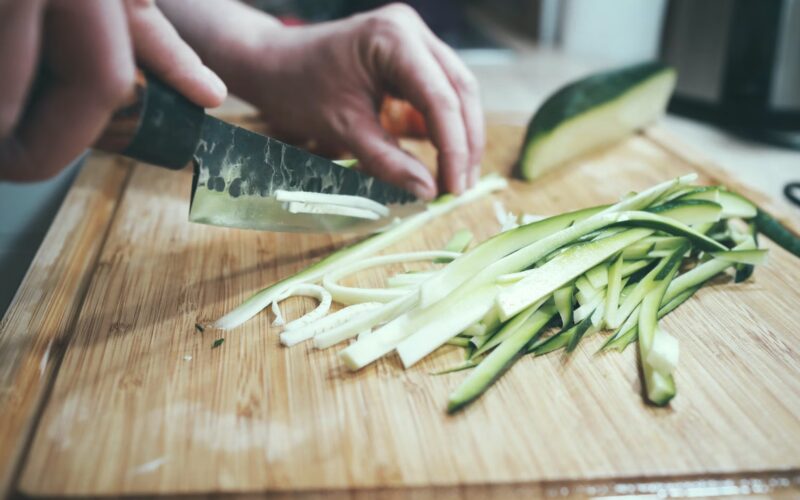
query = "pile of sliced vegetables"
{"x": 538, "y": 286}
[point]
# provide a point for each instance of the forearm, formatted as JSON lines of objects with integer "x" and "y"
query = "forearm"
{"x": 227, "y": 34}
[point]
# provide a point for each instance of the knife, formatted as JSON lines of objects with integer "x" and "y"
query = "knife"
{"x": 237, "y": 172}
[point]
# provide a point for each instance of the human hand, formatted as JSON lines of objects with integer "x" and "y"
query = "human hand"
{"x": 327, "y": 82}
{"x": 68, "y": 64}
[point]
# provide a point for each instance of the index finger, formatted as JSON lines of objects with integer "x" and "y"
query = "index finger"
{"x": 419, "y": 78}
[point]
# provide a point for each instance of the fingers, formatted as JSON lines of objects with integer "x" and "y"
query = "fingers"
{"x": 20, "y": 26}
{"x": 466, "y": 86}
{"x": 380, "y": 155}
{"x": 404, "y": 62}
{"x": 161, "y": 50}
{"x": 90, "y": 66}
{"x": 19, "y": 46}
{"x": 426, "y": 86}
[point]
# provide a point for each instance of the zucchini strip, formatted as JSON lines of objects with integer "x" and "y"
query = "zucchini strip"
{"x": 680, "y": 289}
{"x": 690, "y": 212}
{"x": 547, "y": 236}
{"x": 562, "y": 269}
{"x": 499, "y": 360}
{"x": 614, "y": 290}
{"x": 297, "y": 207}
{"x": 463, "y": 268}
{"x": 659, "y": 385}
{"x": 360, "y": 250}
{"x": 408, "y": 279}
{"x": 510, "y": 328}
{"x": 733, "y": 204}
{"x": 290, "y": 337}
{"x": 563, "y": 299}
{"x": 343, "y": 200}
{"x": 458, "y": 243}
{"x": 319, "y": 293}
{"x": 354, "y": 295}
{"x": 777, "y": 232}
{"x": 387, "y": 312}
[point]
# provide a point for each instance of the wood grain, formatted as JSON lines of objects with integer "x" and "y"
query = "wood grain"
{"x": 38, "y": 323}
{"x": 143, "y": 404}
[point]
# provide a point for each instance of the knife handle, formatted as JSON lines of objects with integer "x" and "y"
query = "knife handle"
{"x": 156, "y": 125}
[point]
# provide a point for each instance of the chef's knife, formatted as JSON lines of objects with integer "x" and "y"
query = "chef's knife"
{"x": 237, "y": 171}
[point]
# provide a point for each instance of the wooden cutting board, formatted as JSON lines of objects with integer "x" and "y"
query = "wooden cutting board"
{"x": 141, "y": 403}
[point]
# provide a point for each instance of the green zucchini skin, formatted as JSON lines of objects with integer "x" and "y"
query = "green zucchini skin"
{"x": 577, "y": 99}
{"x": 777, "y": 232}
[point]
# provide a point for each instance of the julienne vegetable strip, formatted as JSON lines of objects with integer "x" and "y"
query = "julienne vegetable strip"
{"x": 617, "y": 267}
{"x": 360, "y": 250}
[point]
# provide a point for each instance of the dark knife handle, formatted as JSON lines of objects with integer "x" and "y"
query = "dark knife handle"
{"x": 157, "y": 125}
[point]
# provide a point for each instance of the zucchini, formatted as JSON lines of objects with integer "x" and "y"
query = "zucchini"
{"x": 594, "y": 112}
{"x": 458, "y": 243}
{"x": 563, "y": 298}
{"x": 659, "y": 384}
{"x": 463, "y": 268}
{"x": 357, "y": 251}
{"x": 532, "y": 315}
{"x": 580, "y": 330}
{"x": 733, "y": 204}
{"x": 499, "y": 360}
{"x": 554, "y": 342}
{"x": 614, "y": 290}
{"x": 690, "y": 212}
{"x": 566, "y": 267}
{"x": 777, "y": 232}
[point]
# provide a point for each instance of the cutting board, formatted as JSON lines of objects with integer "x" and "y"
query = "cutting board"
{"x": 121, "y": 395}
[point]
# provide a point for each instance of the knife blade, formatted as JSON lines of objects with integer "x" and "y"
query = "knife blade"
{"x": 238, "y": 171}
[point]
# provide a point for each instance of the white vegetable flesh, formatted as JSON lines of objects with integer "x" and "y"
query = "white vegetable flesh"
{"x": 342, "y": 200}
{"x": 297, "y": 207}
{"x": 353, "y": 295}
{"x": 308, "y": 290}
{"x": 292, "y": 336}
{"x": 360, "y": 250}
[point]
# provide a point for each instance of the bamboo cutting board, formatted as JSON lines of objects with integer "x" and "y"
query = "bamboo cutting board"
{"x": 142, "y": 404}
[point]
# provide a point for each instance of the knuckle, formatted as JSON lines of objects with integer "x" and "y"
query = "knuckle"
{"x": 379, "y": 25}
{"x": 395, "y": 19}
{"x": 399, "y": 11}
{"x": 446, "y": 102}
{"x": 458, "y": 156}
{"x": 467, "y": 84}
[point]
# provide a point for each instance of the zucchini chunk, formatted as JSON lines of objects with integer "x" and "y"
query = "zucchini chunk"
{"x": 594, "y": 112}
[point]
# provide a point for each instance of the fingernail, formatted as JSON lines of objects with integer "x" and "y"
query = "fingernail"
{"x": 475, "y": 173}
{"x": 215, "y": 81}
{"x": 421, "y": 189}
{"x": 461, "y": 182}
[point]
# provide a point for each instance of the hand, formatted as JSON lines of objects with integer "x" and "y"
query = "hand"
{"x": 327, "y": 81}
{"x": 86, "y": 52}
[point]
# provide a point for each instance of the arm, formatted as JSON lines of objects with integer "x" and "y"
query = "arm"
{"x": 328, "y": 80}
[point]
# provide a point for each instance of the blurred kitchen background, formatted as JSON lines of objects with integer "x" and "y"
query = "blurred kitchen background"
{"x": 737, "y": 98}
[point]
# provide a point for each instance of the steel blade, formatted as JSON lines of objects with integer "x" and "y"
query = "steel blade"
{"x": 237, "y": 171}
